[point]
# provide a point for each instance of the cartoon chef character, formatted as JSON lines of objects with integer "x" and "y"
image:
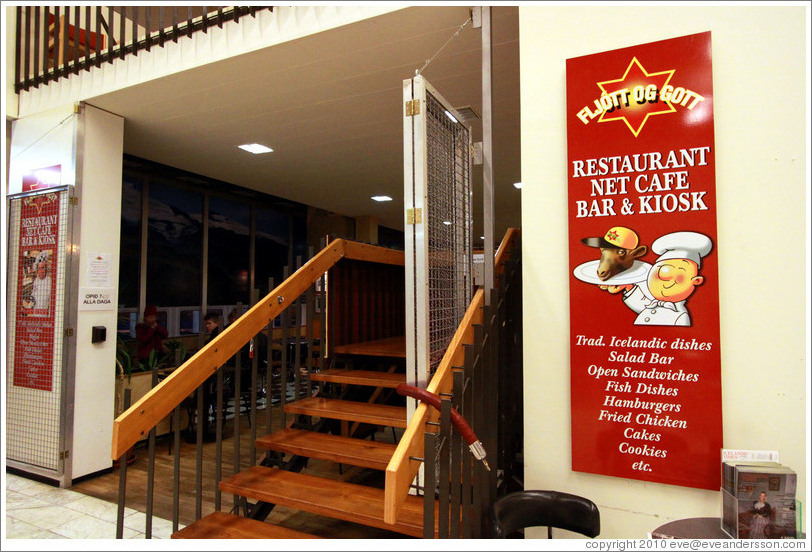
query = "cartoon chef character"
{"x": 660, "y": 301}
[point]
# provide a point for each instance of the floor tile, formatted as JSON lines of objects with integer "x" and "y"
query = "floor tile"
{"x": 100, "y": 509}
{"x": 18, "y": 529}
{"x": 87, "y": 527}
{"x": 45, "y": 517}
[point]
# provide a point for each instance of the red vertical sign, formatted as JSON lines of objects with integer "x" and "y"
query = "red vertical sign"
{"x": 644, "y": 294}
{"x": 36, "y": 292}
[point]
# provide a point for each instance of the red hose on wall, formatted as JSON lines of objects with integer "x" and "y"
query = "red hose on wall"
{"x": 459, "y": 422}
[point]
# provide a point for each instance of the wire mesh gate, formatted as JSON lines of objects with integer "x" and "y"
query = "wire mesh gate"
{"x": 38, "y": 379}
{"x": 437, "y": 198}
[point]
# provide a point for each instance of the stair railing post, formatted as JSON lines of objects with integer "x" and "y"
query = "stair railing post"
{"x": 310, "y": 312}
{"x": 218, "y": 444}
{"x": 269, "y": 383}
{"x": 297, "y": 332}
{"x": 285, "y": 329}
{"x": 467, "y": 413}
{"x": 429, "y": 483}
{"x": 456, "y": 456}
{"x": 252, "y": 412}
{"x": 480, "y": 391}
{"x": 151, "y": 468}
{"x": 122, "y": 478}
{"x": 445, "y": 460}
{"x": 236, "y": 417}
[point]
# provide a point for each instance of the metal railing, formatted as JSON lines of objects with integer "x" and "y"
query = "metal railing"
{"x": 481, "y": 377}
{"x": 54, "y": 42}
{"x": 287, "y": 315}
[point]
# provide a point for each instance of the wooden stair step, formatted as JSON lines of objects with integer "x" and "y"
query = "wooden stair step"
{"x": 326, "y": 497}
{"x": 220, "y": 525}
{"x": 375, "y": 414}
{"x": 369, "y": 378}
{"x": 324, "y": 446}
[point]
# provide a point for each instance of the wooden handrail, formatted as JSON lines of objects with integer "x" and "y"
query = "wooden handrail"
{"x": 142, "y": 416}
{"x": 402, "y": 468}
{"x": 508, "y": 242}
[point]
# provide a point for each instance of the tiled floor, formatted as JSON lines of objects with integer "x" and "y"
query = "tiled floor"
{"x": 37, "y": 510}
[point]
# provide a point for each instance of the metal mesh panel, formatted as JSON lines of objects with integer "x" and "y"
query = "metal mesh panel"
{"x": 38, "y": 227}
{"x": 448, "y": 226}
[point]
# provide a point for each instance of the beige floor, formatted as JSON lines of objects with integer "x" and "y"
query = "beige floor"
{"x": 35, "y": 510}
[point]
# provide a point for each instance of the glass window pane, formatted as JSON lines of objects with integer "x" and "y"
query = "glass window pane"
{"x": 130, "y": 250}
{"x": 175, "y": 246}
{"x": 229, "y": 240}
{"x": 272, "y": 239}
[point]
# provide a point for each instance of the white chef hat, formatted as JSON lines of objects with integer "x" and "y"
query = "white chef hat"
{"x": 682, "y": 245}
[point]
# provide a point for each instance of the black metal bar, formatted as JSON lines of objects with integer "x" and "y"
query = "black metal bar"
{"x": 19, "y": 45}
{"x": 161, "y": 26}
{"x": 492, "y": 427}
{"x": 61, "y": 46}
{"x": 478, "y": 393}
{"x": 110, "y": 34}
{"x": 237, "y": 392}
{"x": 310, "y": 313}
{"x": 218, "y": 446}
{"x": 252, "y": 412}
{"x": 57, "y": 41}
{"x": 77, "y": 35}
{"x": 189, "y": 21}
{"x": 297, "y": 340}
{"x": 88, "y": 51}
{"x": 122, "y": 478}
{"x": 36, "y": 40}
{"x": 456, "y": 459}
{"x": 98, "y": 35}
{"x": 468, "y": 414}
{"x": 283, "y": 375}
{"x": 445, "y": 459}
{"x": 429, "y": 466}
{"x": 151, "y": 467}
{"x": 122, "y": 39}
{"x": 202, "y": 416}
{"x": 176, "y": 471}
{"x": 65, "y": 42}
{"x": 175, "y": 25}
{"x": 269, "y": 373}
{"x": 134, "y": 28}
{"x": 205, "y": 21}
{"x": 236, "y": 14}
{"x": 148, "y": 28}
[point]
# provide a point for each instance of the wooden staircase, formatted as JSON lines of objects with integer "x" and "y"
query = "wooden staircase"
{"x": 322, "y": 496}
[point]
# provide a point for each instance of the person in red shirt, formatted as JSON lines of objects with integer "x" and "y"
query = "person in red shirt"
{"x": 150, "y": 335}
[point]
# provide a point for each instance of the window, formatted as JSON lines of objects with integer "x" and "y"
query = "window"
{"x": 175, "y": 246}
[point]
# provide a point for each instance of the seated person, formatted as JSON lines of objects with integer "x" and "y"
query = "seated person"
{"x": 150, "y": 335}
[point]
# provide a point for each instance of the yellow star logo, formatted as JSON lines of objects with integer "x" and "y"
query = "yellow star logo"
{"x": 639, "y": 95}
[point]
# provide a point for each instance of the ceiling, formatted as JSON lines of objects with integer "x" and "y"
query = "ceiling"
{"x": 330, "y": 105}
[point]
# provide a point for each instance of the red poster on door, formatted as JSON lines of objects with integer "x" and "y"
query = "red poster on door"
{"x": 644, "y": 293}
{"x": 36, "y": 296}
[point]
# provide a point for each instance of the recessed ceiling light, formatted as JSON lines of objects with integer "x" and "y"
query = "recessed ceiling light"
{"x": 517, "y": 185}
{"x": 447, "y": 222}
{"x": 450, "y": 116}
{"x": 381, "y": 198}
{"x": 255, "y": 148}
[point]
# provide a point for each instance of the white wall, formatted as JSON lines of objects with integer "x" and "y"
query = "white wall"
{"x": 100, "y": 200}
{"x": 760, "y": 71}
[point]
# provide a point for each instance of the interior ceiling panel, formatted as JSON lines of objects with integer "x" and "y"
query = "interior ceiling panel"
{"x": 330, "y": 105}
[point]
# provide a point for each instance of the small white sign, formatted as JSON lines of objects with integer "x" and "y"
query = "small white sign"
{"x": 99, "y": 268}
{"x": 735, "y": 455}
{"x": 96, "y": 298}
